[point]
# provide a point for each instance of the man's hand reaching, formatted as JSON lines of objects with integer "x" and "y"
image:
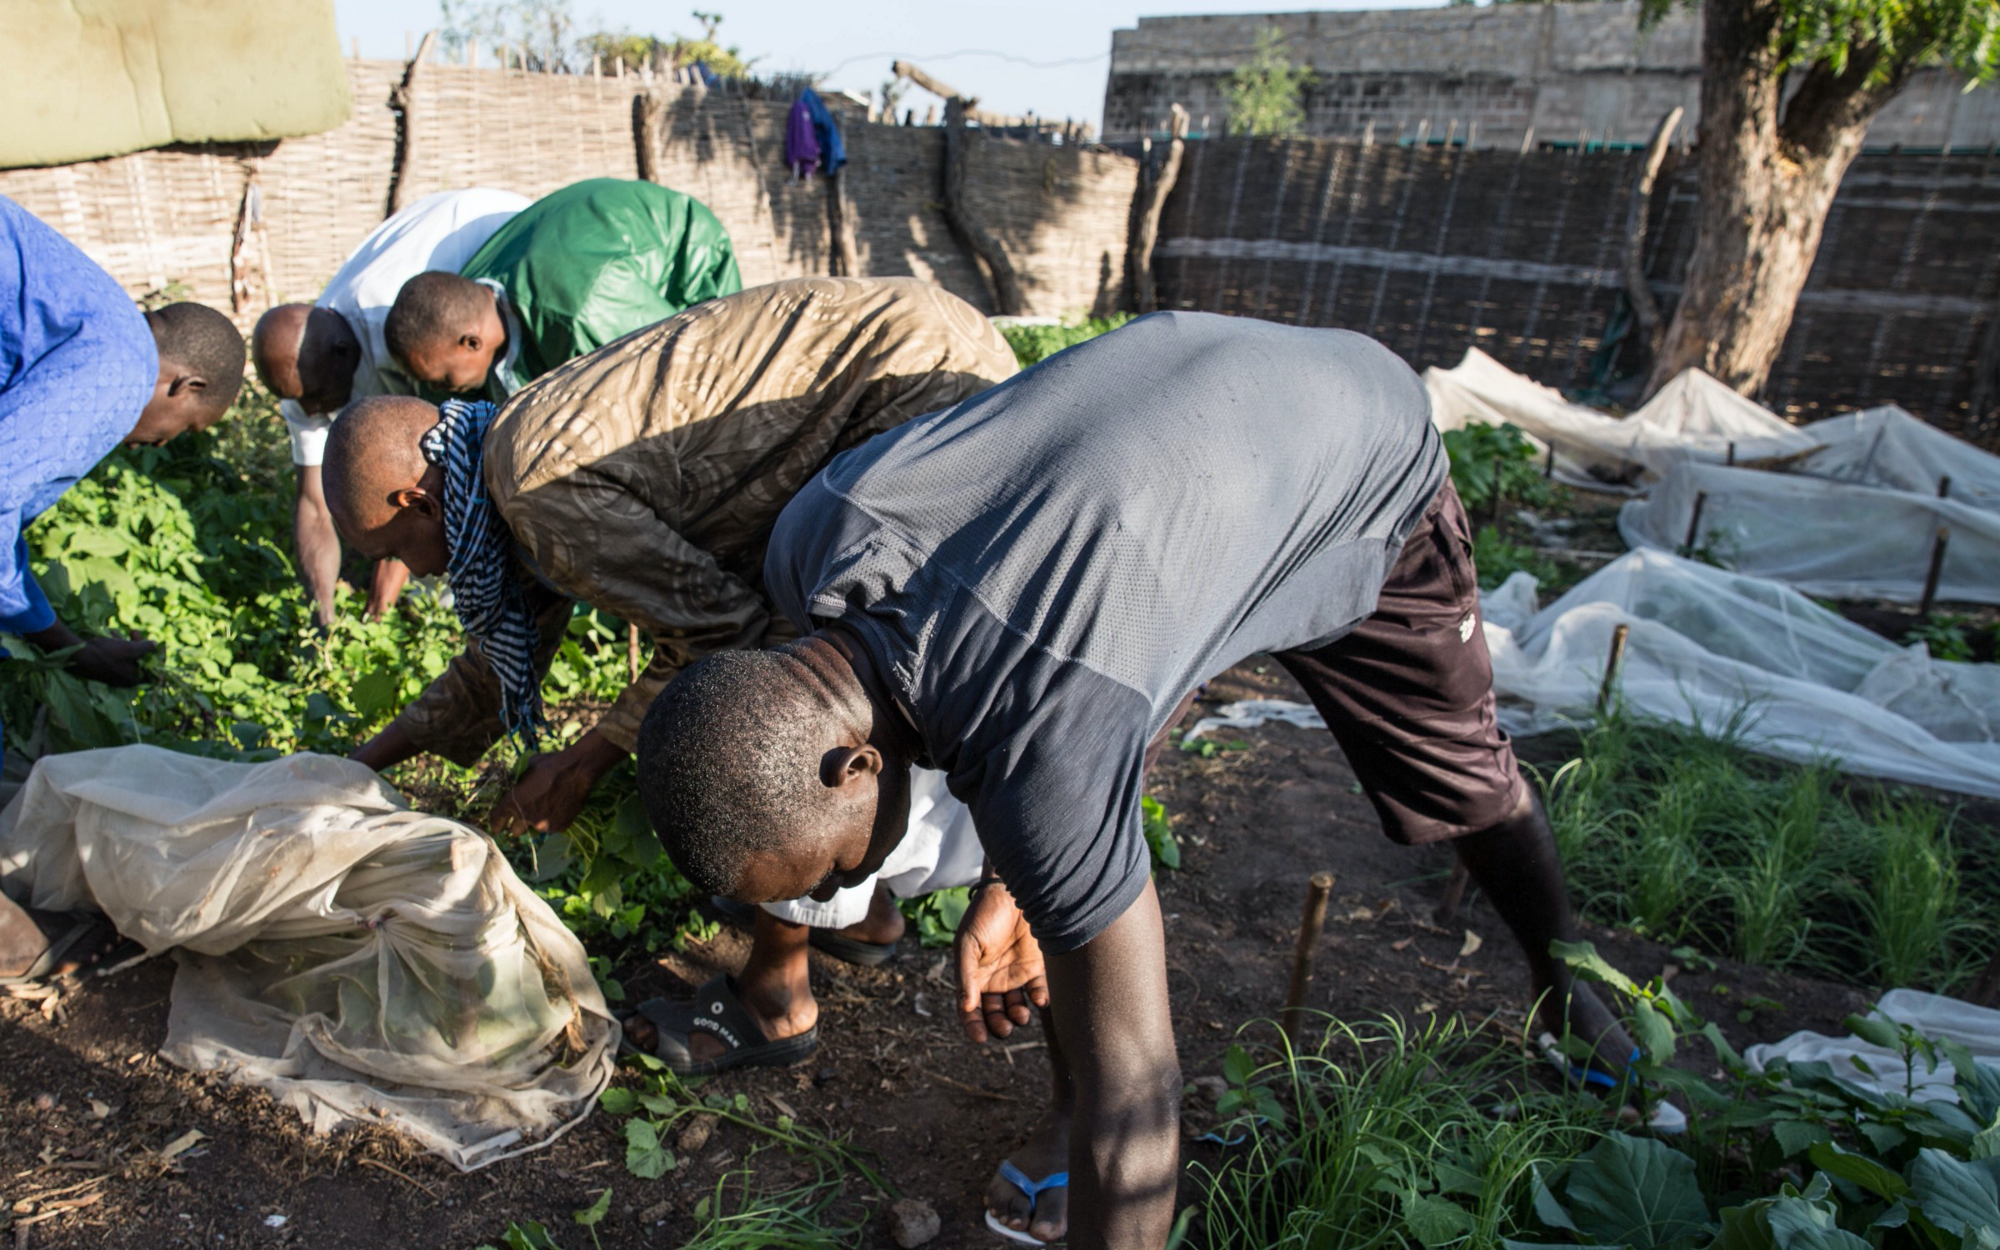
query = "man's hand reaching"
{"x": 999, "y": 966}
{"x": 113, "y": 661}
{"x": 555, "y": 787}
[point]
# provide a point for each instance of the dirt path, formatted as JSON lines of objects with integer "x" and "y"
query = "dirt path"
{"x": 88, "y": 1109}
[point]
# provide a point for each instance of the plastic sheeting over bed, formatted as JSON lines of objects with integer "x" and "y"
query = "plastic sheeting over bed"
{"x": 1714, "y": 649}
{"x": 1696, "y": 419}
{"x": 361, "y": 962}
{"x": 1822, "y": 537}
{"x": 1706, "y": 644}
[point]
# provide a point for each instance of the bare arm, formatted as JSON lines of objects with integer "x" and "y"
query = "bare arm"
{"x": 1110, "y": 1013}
{"x": 318, "y": 545}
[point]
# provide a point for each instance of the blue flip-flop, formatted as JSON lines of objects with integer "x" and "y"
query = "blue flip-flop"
{"x": 1664, "y": 1117}
{"x": 1032, "y": 1190}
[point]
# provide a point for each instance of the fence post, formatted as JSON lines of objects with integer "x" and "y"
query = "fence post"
{"x": 403, "y": 100}
{"x": 845, "y": 258}
{"x": 647, "y": 107}
{"x": 958, "y": 213}
{"x": 1144, "y": 298}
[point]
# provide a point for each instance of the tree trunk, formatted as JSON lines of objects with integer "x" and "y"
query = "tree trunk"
{"x": 1766, "y": 183}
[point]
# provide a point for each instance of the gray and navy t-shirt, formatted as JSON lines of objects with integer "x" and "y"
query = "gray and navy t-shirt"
{"x": 1041, "y": 572}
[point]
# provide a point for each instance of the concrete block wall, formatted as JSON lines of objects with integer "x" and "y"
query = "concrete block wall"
{"x": 1571, "y": 72}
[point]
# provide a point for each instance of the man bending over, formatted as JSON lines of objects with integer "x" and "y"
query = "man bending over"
{"x": 580, "y": 267}
{"x": 1018, "y": 592}
{"x": 317, "y": 358}
{"x": 82, "y": 370}
{"x": 644, "y": 480}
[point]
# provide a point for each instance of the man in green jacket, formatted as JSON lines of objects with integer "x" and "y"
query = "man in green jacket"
{"x": 573, "y": 271}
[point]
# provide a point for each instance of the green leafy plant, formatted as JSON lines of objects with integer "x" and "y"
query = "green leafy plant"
{"x": 1497, "y": 559}
{"x": 1159, "y": 831}
{"x": 936, "y": 915}
{"x": 1033, "y": 344}
{"x": 1795, "y": 1155}
{"x": 1945, "y": 635}
{"x": 744, "y": 1209}
{"x": 1266, "y": 93}
{"x": 1486, "y": 458}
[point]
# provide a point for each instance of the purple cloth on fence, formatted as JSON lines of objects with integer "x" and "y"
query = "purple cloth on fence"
{"x": 801, "y": 144}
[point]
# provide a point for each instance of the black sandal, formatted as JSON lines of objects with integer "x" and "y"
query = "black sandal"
{"x": 850, "y": 950}
{"x": 86, "y": 930}
{"x": 717, "y": 1012}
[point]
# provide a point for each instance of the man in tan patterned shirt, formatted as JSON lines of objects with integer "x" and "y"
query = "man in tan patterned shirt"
{"x": 644, "y": 478}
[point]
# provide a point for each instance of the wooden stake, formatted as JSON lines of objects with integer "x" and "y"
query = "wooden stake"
{"x": 632, "y": 650}
{"x": 1310, "y": 925}
{"x": 404, "y": 100}
{"x": 1612, "y": 663}
{"x": 1938, "y": 545}
{"x": 1694, "y": 523}
{"x": 1549, "y": 463}
{"x": 1730, "y": 458}
{"x": 1944, "y": 487}
{"x": 1987, "y": 987}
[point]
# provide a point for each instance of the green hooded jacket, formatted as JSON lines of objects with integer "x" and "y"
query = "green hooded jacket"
{"x": 592, "y": 263}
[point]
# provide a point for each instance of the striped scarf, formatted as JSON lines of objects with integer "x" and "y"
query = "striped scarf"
{"x": 484, "y": 588}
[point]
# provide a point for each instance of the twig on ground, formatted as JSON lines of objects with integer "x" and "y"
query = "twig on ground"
{"x": 972, "y": 1089}
{"x": 402, "y": 1175}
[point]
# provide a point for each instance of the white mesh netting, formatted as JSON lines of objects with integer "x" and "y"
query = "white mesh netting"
{"x": 1851, "y": 510}
{"x": 361, "y": 962}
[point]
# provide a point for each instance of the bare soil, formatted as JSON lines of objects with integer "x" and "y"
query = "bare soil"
{"x": 88, "y": 1108}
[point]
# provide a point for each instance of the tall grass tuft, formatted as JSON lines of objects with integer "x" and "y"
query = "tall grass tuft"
{"x": 1912, "y": 903}
{"x": 1687, "y": 836}
{"x": 1386, "y": 1134}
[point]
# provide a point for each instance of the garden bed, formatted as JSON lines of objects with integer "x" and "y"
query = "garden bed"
{"x": 932, "y": 1111}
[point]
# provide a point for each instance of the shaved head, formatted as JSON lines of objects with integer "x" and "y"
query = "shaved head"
{"x": 444, "y": 331}
{"x": 384, "y": 496}
{"x": 306, "y": 353}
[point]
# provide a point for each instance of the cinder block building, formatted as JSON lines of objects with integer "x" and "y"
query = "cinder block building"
{"x": 1568, "y": 73}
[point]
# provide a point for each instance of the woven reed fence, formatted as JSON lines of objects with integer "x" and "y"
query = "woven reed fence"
{"x": 1435, "y": 249}
{"x": 242, "y": 226}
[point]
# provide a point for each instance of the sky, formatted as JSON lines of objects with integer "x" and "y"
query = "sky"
{"x": 1048, "y": 59}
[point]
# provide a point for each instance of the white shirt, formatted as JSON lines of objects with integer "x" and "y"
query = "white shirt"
{"x": 940, "y": 851}
{"x": 439, "y": 231}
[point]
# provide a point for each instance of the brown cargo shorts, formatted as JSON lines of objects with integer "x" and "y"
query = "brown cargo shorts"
{"x": 1409, "y": 693}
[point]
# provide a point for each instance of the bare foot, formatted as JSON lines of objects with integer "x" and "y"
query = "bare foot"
{"x": 1045, "y": 1153}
